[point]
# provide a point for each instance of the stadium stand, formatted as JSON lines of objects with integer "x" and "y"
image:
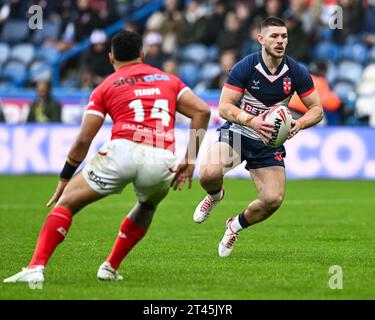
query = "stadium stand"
{"x": 4, "y": 53}
{"x": 326, "y": 51}
{"x": 14, "y": 31}
{"x": 40, "y": 71}
{"x": 50, "y": 31}
{"x": 349, "y": 70}
{"x": 28, "y": 55}
{"x": 354, "y": 51}
{"x": 13, "y": 70}
{"x": 24, "y": 52}
{"x": 189, "y": 73}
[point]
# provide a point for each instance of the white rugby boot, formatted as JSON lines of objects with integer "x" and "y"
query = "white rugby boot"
{"x": 227, "y": 243}
{"x": 34, "y": 276}
{"x": 204, "y": 208}
{"x": 106, "y": 272}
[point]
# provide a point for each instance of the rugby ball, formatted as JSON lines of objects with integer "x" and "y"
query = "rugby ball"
{"x": 281, "y": 118}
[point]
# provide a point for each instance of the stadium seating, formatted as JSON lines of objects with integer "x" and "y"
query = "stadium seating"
{"x": 365, "y": 108}
{"x": 24, "y": 52}
{"x": 14, "y": 31}
{"x": 194, "y": 52}
{"x": 354, "y": 51}
{"x": 349, "y": 70}
{"x": 213, "y": 53}
{"x": 26, "y": 55}
{"x": 50, "y": 31}
{"x": 366, "y": 87}
{"x": 326, "y": 51}
{"x": 346, "y": 92}
{"x": 209, "y": 71}
{"x": 40, "y": 71}
{"x": 48, "y": 53}
{"x": 13, "y": 70}
{"x": 4, "y": 52}
{"x": 353, "y": 39}
{"x": 189, "y": 73}
{"x": 369, "y": 72}
{"x": 331, "y": 72}
{"x": 325, "y": 34}
{"x": 371, "y": 55}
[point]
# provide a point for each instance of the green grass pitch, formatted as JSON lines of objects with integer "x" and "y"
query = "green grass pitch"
{"x": 321, "y": 223}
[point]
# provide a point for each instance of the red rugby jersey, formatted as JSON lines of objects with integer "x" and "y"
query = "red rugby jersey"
{"x": 141, "y": 100}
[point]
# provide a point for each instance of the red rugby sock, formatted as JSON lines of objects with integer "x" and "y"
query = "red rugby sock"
{"x": 129, "y": 235}
{"x": 53, "y": 232}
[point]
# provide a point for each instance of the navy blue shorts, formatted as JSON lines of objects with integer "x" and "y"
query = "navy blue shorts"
{"x": 255, "y": 152}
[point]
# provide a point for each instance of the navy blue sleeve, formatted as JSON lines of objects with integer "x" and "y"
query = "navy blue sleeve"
{"x": 236, "y": 79}
{"x": 305, "y": 84}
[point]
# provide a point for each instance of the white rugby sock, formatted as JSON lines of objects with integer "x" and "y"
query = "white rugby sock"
{"x": 235, "y": 225}
{"x": 238, "y": 223}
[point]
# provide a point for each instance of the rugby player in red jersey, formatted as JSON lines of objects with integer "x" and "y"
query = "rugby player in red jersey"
{"x": 142, "y": 102}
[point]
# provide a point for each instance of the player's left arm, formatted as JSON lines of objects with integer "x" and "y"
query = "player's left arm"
{"x": 77, "y": 153}
{"x": 313, "y": 115}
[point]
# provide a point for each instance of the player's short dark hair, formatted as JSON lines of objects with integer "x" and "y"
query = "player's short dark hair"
{"x": 272, "y": 22}
{"x": 126, "y": 45}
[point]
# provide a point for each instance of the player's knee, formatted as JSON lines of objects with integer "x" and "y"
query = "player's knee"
{"x": 208, "y": 175}
{"x": 272, "y": 202}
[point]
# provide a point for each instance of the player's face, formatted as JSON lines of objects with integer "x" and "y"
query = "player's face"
{"x": 274, "y": 40}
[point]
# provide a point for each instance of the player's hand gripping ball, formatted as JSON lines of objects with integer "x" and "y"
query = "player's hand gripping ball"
{"x": 281, "y": 118}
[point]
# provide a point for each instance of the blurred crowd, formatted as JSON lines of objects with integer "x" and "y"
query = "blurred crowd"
{"x": 226, "y": 30}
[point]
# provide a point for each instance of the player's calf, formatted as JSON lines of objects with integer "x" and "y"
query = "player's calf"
{"x": 54, "y": 231}
{"x": 129, "y": 235}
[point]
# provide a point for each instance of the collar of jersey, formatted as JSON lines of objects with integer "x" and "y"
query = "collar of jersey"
{"x": 129, "y": 65}
{"x": 279, "y": 68}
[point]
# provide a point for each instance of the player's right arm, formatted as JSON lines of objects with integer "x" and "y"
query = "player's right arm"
{"x": 229, "y": 111}
{"x": 91, "y": 123}
{"x": 77, "y": 153}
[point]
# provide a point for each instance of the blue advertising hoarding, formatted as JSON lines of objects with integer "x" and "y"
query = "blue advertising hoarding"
{"x": 320, "y": 152}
